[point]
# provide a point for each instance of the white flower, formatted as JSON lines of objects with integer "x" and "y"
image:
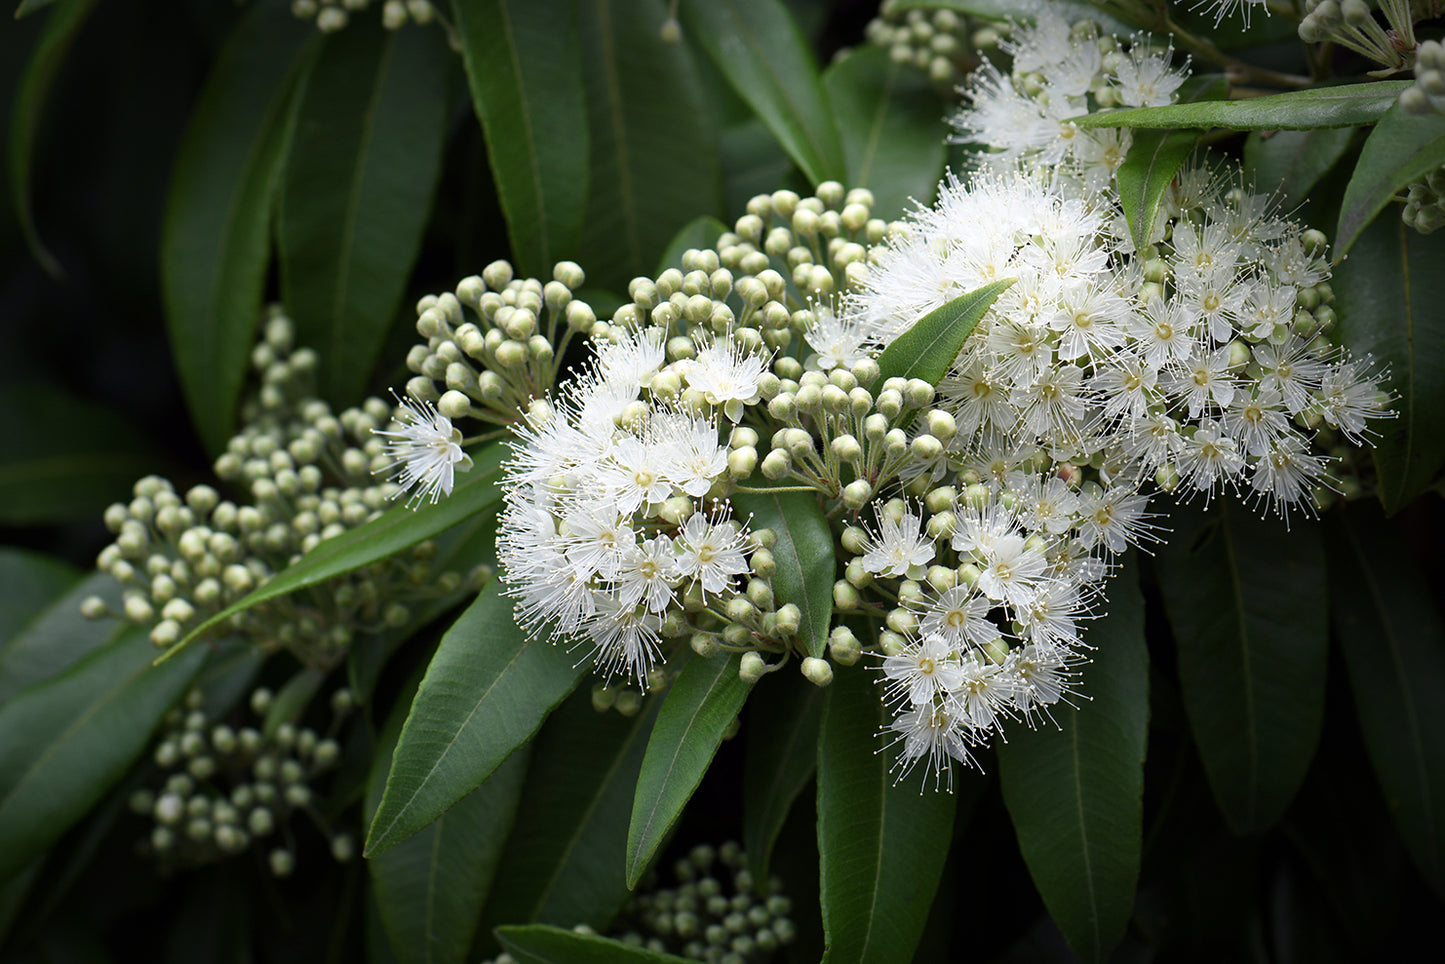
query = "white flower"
{"x": 899, "y": 547}
{"x": 425, "y": 451}
{"x": 932, "y": 732}
{"x": 960, "y": 616}
{"x": 923, "y": 670}
{"x": 710, "y": 552}
{"x": 726, "y": 374}
{"x": 1145, "y": 80}
{"x": 1012, "y": 571}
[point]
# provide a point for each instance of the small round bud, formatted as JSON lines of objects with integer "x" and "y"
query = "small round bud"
{"x": 282, "y": 862}
{"x": 819, "y": 672}
{"x": 752, "y": 668}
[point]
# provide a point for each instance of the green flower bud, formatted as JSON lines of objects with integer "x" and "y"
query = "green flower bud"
{"x": 845, "y": 597}
{"x": 629, "y": 701}
{"x": 752, "y": 668}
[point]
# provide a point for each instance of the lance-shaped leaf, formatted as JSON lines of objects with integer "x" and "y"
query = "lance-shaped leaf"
{"x": 1390, "y": 300}
{"x": 888, "y": 119}
{"x": 1244, "y": 597}
{"x": 928, "y": 349}
{"x": 57, "y": 637}
{"x": 396, "y": 529}
{"x": 882, "y": 846}
{"x": 756, "y": 45}
{"x": 782, "y": 754}
{"x": 29, "y": 582}
{"x": 1390, "y": 630}
{"x": 1402, "y": 148}
{"x": 541, "y": 944}
{"x": 487, "y": 690}
{"x": 430, "y": 888}
{"x": 698, "y": 708}
{"x": 1292, "y": 162}
{"x": 1349, "y": 105}
{"x": 356, "y": 191}
{"x": 524, "y": 66}
{"x": 1076, "y": 796}
{"x": 215, "y": 238}
{"x": 806, "y": 565}
{"x": 67, "y": 740}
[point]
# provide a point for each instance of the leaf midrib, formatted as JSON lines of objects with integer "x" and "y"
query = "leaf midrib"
{"x": 1246, "y": 664}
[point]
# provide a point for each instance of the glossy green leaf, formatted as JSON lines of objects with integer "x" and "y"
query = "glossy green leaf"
{"x": 1390, "y": 301}
{"x": 487, "y": 690}
{"x": 882, "y": 845}
{"x": 758, "y": 48}
{"x": 292, "y": 699}
{"x": 1245, "y": 599}
{"x": 541, "y": 944}
{"x": 29, "y": 582}
{"x": 397, "y": 528}
{"x": 356, "y": 190}
{"x": 928, "y": 349}
{"x": 806, "y": 564}
{"x": 61, "y": 29}
{"x": 1349, "y": 105}
{"x": 215, "y": 237}
{"x": 1292, "y": 162}
{"x": 69, "y": 739}
{"x": 13, "y": 893}
{"x": 654, "y": 142}
{"x": 698, "y": 708}
{"x": 782, "y": 754}
{"x": 1402, "y": 148}
{"x": 754, "y": 163}
{"x": 57, "y": 637}
{"x": 431, "y": 887}
{"x": 1076, "y": 796}
{"x": 565, "y": 858}
{"x": 524, "y": 66}
{"x": 1389, "y": 627}
{"x": 698, "y": 233}
{"x": 889, "y": 120}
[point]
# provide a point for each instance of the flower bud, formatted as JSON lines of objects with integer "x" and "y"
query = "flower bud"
{"x": 857, "y": 494}
{"x": 790, "y": 618}
{"x": 817, "y": 671}
{"x": 752, "y": 668}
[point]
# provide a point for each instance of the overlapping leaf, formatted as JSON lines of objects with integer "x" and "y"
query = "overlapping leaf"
{"x": 1349, "y": 105}
{"x": 1402, "y": 148}
{"x": 1292, "y": 162}
{"x": 928, "y": 349}
{"x": 541, "y": 944}
{"x": 782, "y": 752}
{"x": 806, "y": 566}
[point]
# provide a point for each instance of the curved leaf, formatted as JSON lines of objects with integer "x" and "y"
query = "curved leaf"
{"x": 356, "y": 191}
{"x": 700, "y": 705}
{"x": 882, "y": 846}
{"x": 541, "y": 944}
{"x": 782, "y": 754}
{"x": 29, "y": 582}
{"x": 1292, "y": 162}
{"x": 1244, "y": 597}
{"x": 487, "y": 690}
{"x": 1390, "y": 300}
{"x": 806, "y": 565}
{"x": 214, "y": 239}
{"x": 396, "y": 529}
{"x": 1390, "y": 630}
{"x": 1348, "y": 105}
{"x": 1402, "y": 148}
{"x": 524, "y": 66}
{"x": 888, "y": 120}
{"x": 1076, "y": 797}
{"x": 928, "y": 349}
{"x": 654, "y": 143}
{"x": 69, "y": 739}
{"x": 57, "y": 637}
{"x": 758, "y": 48}
{"x": 698, "y": 233}
{"x": 61, "y": 29}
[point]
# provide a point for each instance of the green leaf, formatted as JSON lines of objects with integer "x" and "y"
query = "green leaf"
{"x": 698, "y": 233}
{"x": 889, "y": 120}
{"x": 928, "y": 349}
{"x": 1076, "y": 797}
{"x": 758, "y": 48}
{"x": 487, "y": 690}
{"x": 782, "y": 754}
{"x": 1349, "y": 105}
{"x": 357, "y": 187}
{"x": 1402, "y": 148}
{"x": 431, "y": 887}
{"x": 29, "y": 582}
{"x": 61, "y": 29}
{"x": 654, "y": 143}
{"x": 57, "y": 637}
{"x": 882, "y": 846}
{"x": 541, "y": 944}
{"x": 806, "y": 564}
{"x": 68, "y": 739}
{"x": 1390, "y": 300}
{"x": 524, "y": 66}
{"x": 396, "y": 529}
{"x": 1154, "y": 158}
{"x": 1292, "y": 162}
{"x": 1390, "y": 630}
{"x": 695, "y": 714}
{"x": 292, "y": 699}
{"x": 214, "y": 239}
{"x": 1245, "y": 599}
{"x": 564, "y": 860}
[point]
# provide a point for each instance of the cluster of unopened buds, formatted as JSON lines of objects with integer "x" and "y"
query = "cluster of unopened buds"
{"x": 942, "y": 43}
{"x": 334, "y": 15}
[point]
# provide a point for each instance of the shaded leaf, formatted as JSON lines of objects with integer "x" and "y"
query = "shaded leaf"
{"x": 806, "y": 565}
{"x": 928, "y": 349}
{"x": 782, "y": 753}
{"x": 1076, "y": 797}
{"x": 215, "y": 238}
{"x": 697, "y": 710}
{"x": 1402, "y": 148}
{"x": 487, "y": 690}
{"x": 1292, "y": 162}
{"x": 700, "y": 233}
{"x": 57, "y": 637}
{"x": 1348, "y": 105}
{"x": 356, "y": 191}
{"x": 524, "y": 66}
{"x": 29, "y": 582}
{"x": 1244, "y": 597}
{"x": 541, "y": 944}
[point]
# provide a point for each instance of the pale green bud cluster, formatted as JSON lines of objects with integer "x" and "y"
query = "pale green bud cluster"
{"x": 1425, "y": 203}
{"x": 223, "y": 790}
{"x": 334, "y": 15}
{"x": 1353, "y": 24}
{"x": 943, "y": 44}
